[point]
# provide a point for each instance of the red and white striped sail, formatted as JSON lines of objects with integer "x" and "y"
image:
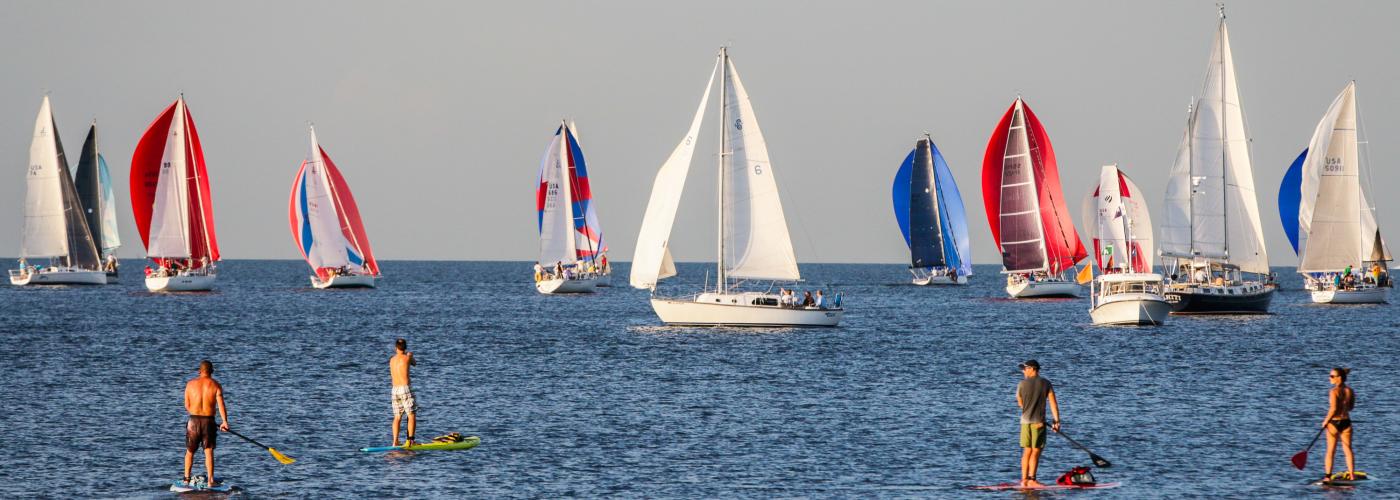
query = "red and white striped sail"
{"x": 324, "y": 218}
{"x": 170, "y": 191}
{"x": 1117, "y": 223}
{"x": 1025, "y": 206}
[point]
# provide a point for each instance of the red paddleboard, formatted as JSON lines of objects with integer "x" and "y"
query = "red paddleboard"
{"x": 1047, "y": 487}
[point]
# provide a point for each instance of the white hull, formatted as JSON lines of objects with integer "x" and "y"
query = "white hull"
{"x": 181, "y": 283}
{"x": 1034, "y": 289}
{"x": 561, "y": 285}
{"x": 1376, "y": 295}
{"x": 345, "y": 281}
{"x": 605, "y": 280}
{"x": 61, "y": 276}
{"x": 1131, "y": 309}
{"x": 939, "y": 280}
{"x": 738, "y": 310}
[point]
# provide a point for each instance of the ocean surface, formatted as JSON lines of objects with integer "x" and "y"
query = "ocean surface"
{"x": 912, "y": 396}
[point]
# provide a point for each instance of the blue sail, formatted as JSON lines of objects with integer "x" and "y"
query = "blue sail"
{"x": 957, "y": 244}
{"x": 900, "y": 193}
{"x": 1290, "y": 195}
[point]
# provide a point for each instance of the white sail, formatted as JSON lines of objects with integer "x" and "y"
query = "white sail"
{"x": 1212, "y": 182}
{"x": 1330, "y": 210}
{"x": 557, "y": 223}
{"x": 110, "y": 239}
{"x": 45, "y": 223}
{"x": 756, "y": 240}
{"x": 329, "y": 245}
{"x": 1116, "y": 218}
{"x": 651, "y": 260}
{"x": 170, "y": 223}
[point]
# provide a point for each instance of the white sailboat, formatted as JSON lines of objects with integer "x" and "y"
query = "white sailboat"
{"x": 567, "y": 251}
{"x": 1126, "y": 291}
{"x": 1336, "y": 229}
{"x": 326, "y": 226}
{"x": 55, "y": 226}
{"x": 754, "y": 243}
{"x": 1212, "y": 240}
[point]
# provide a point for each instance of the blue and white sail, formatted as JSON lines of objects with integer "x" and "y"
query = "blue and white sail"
{"x": 929, "y": 210}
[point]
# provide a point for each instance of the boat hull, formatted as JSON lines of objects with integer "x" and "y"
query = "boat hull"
{"x": 59, "y": 277}
{"x": 1131, "y": 309}
{"x": 939, "y": 280}
{"x": 181, "y": 283}
{"x": 112, "y": 278}
{"x": 1234, "y": 299}
{"x": 345, "y": 281}
{"x": 604, "y": 280}
{"x": 1376, "y": 295}
{"x": 561, "y": 285}
{"x": 1043, "y": 289}
{"x": 714, "y": 311}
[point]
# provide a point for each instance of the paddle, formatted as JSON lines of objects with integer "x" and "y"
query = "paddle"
{"x": 1098, "y": 460}
{"x": 275, "y": 454}
{"x": 1300, "y": 459}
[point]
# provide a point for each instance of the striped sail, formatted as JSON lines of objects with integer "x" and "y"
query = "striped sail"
{"x": 1116, "y": 219}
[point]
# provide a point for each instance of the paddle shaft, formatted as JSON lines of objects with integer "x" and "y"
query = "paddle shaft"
{"x": 1098, "y": 460}
{"x": 250, "y": 440}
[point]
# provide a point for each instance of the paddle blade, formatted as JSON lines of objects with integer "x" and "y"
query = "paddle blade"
{"x": 280, "y": 457}
{"x": 1100, "y": 461}
{"x": 1300, "y": 460}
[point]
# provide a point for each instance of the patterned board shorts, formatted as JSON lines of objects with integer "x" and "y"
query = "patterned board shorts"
{"x": 402, "y": 398}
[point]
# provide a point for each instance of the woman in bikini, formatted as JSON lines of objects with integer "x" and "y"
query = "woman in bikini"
{"x": 1338, "y": 422}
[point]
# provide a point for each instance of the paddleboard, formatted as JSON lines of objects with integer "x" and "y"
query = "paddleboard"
{"x": 182, "y": 487}
{"x": 1339, "y": 479}
{"x": 465, "y": 444}
{"x": 1047, "y": 487}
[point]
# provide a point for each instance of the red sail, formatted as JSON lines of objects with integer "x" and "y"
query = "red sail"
{"x": 1062, "y": 245}
{"x": 350, "y": 223}
{"x": 145, "y": 175}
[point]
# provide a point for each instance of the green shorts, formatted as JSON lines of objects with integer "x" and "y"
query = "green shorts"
{"x": 1033, "y": 435}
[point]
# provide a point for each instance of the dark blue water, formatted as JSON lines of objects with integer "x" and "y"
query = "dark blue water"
{"x": 588, "y": 396}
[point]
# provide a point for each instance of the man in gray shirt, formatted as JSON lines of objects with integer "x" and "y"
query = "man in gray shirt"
{"x": 1031, "y": 395}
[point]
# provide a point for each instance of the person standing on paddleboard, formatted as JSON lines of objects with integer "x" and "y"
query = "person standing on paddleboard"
{"x": 1031, "y": 395}
{"x": 202, "y": 394}
{"x": 1341, "y": 399}
{"x": 402, "y": 394}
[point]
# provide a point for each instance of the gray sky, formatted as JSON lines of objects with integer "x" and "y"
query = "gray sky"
{"x": 438, "y": 113}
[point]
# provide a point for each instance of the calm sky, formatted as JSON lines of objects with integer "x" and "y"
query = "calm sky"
{"x": 438, "y": 112}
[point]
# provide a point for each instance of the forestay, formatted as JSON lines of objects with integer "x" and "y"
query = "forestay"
{"x": 756, "y": 240}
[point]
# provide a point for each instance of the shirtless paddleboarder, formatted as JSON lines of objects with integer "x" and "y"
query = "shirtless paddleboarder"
{"x": 1031, "y": 395}
{"x": 402, "y": 394}
{"x": 202, "y": 394}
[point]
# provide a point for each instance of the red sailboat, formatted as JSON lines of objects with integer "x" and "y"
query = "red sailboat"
{"x": 326, "y": 226}
{"x": 170, "y": 200}
{"x": 1027, "y": 210}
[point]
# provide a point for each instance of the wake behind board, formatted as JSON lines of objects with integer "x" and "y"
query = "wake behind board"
{"x": 1048, "y": 487}
{"x": 200, "y": 486}
{"x": 466, "y": 443}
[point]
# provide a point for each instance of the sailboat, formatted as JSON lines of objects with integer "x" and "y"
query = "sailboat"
{"x": 1212, "y": 241}
{"x": 930, "y": 213}
{"x": 1126, "y": 291}
{"x": 1327, "y": 216}
{"x": 171, "y": 203}
{"x": 1026, "y": 208}
{"x": 571, "y": 239}
{"x": 94, "y": 185}
{"x": 54, "y": 226}
{"x": 754, "y": 243}
{"x": 326, "y": 226}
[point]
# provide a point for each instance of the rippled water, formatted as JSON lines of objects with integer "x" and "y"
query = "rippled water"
{"x": 589, "y": 396}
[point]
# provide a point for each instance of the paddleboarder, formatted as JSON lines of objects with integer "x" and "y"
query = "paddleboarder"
{"x": 402, "y": 394}
{"x": 1341, "y": 399}
{"x": 202, "y": 395}
{"x": 1031, "y": 395}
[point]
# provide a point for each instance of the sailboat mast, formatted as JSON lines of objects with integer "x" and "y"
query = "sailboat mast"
{"x": 722, "y": 285}
{"x": 1224, "y": 141}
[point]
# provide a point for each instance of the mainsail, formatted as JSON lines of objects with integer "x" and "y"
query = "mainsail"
{"x": 1211, "y": 211}
{"x": 54, "y": 223}
{"x": 929, "y": 210}
{"x": 170, "y": 190}
{"x": 324, "y": 218}
{"x": 651, "y": 260}
{"x": 756, "y": 243}
{"x": 1021, "y": 192}
{"x": 1116, "y": 219}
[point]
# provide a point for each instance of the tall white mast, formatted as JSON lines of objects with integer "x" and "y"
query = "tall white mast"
{"x": 722, "y": 284}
